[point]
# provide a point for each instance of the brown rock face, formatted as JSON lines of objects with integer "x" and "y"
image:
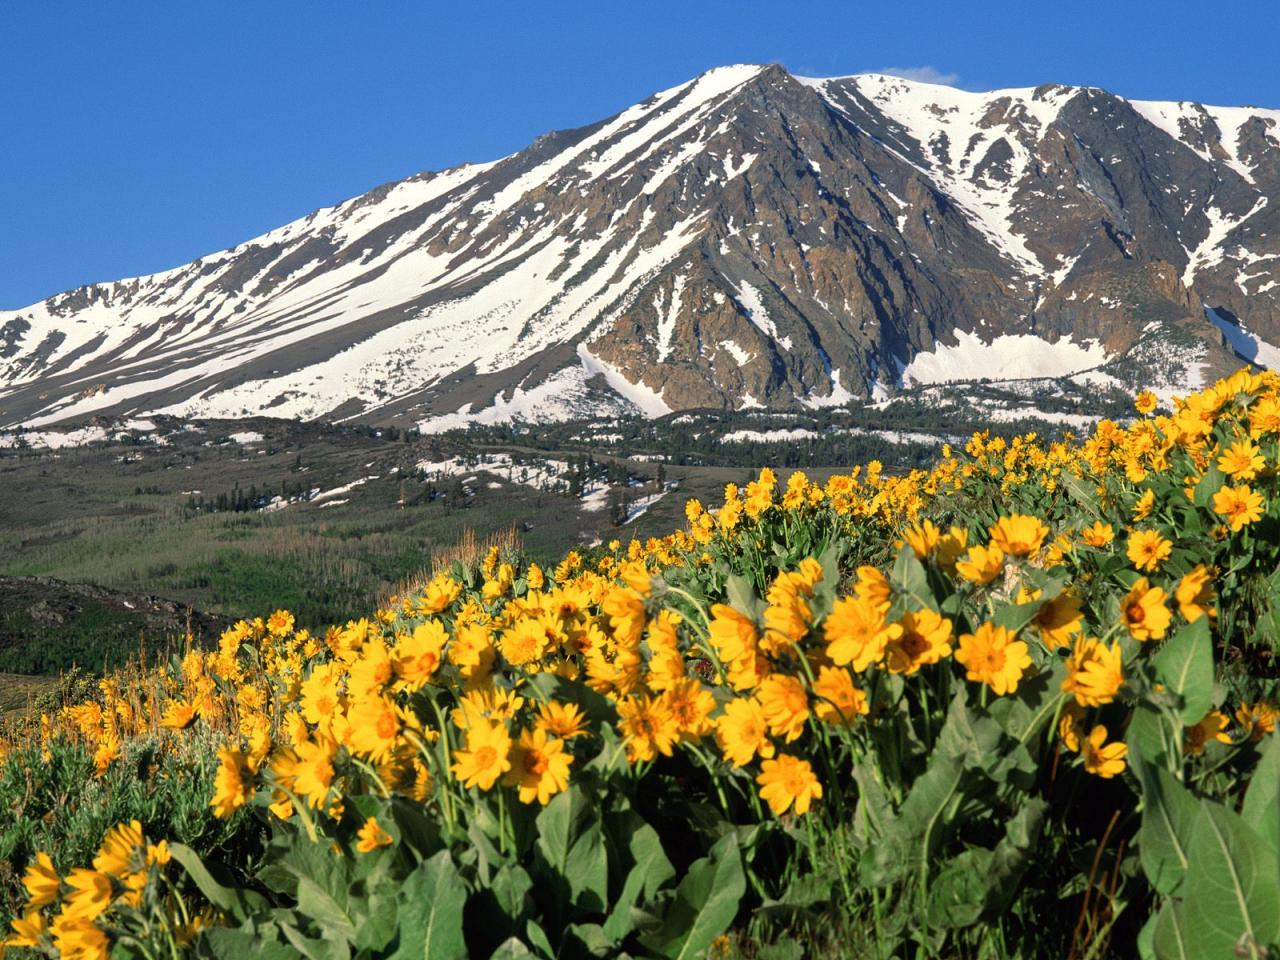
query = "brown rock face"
{"x": 749, "y": 238}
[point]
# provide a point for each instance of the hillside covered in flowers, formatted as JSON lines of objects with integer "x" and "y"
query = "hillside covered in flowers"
{"x": 1020, "y": 704}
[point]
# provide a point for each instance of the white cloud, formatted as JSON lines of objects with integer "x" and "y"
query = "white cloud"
{"x": 925, "y": 74}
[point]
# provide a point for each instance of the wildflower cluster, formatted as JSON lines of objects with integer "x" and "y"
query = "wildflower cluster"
{"x": 1017, "y": 614}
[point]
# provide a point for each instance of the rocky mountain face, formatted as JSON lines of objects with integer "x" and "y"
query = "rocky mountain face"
{"x": 749, "y": 238}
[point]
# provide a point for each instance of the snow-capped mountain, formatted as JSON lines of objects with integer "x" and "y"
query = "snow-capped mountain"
{"x": 747, "y": 238}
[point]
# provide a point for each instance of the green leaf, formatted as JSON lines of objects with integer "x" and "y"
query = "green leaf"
{"x": 538, "y": 938}
{"x": 651, "y": 870}
{"x": 1169, "y": 935}
{"x": 706, "y": 902}
{"x": 223, "y": 943}
{"x": 1232, "y": 888}
{"x": 1209, "y": 484}
{"x": 1083, "y": 493}
{"x": 329, "y": 909}
{"x": 512, "y": 949}
{"x": 909, "y": 576}
{"x": 978, "y": 880}
{"x": 500, "y": 908}
{"x": 958, "y": 891}
{"x": 1169, "y": 813}
{"x": 916, "y": 834}
{"x": 1149, "y": 735}
{"x": 431, "y": 904}
{"x": 571, "y": 855}
{"x": 1261, "y": 808}
{"x": 738, "y": 591}
{"x": 239, "y": 903}
{"x": 1185, "y": 666}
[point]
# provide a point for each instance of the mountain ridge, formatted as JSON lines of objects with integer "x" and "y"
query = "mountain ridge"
{"x": 747, "y": 238}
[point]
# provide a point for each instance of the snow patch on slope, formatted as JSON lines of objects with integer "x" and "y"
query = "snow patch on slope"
{"x": 648, "y": 400}
{"x": 1007, "y": 357}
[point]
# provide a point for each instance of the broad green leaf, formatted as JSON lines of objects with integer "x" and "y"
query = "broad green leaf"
{"x": 329, "y": 909}
{"x": 239, "y": 903}
{"x": 651, "y": 870}
{"x": 512, "y": 949}
{"x": 588, "y": 939}
{"x": 705, "y": 903}
{"x": 1261, "y": 808}
{"x": 223, "y": 943}
{"x": 431, "y": 905}
{"x": 538, "y": 938}
{"x": 1169, "y": 935}
{"x": 1232, "y": 888}
{"x": 910, "y": 576}
{"x": 1150, "y": 735}
{"x": 1209, "y": 484}
{"x": 501, "y": 908}
{"x": 958, "y": 891}
{"x": 571, "y": 855}
{"x": 913, "y": 838}
{"x": 742, "y": 597}
{"x": 1185, "y": 666}
{"x": 1169, "y": 813}
{"x": 978, "y": 879}
{"x": 376, "y": 922}
{"x": 1083, "y": 493}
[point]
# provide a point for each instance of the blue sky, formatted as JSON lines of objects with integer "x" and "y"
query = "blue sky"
{"x": 136, "y": 136}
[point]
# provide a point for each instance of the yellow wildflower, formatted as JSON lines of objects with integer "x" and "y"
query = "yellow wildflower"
{"x": 786, "y": 782}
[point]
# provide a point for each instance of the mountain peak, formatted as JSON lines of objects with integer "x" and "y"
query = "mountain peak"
{"x": 746, "y": 238}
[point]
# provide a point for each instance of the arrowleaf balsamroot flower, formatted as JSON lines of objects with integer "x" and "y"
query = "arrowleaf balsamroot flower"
{"x": 1242, "y": 460}
{"x": 539, "y": 767}
{"x": 375, "y": 728}
{"x": 1095, "y": 672}
{"x": 856, "y": 633}
{"x": 1060, "y": 619}
{"x": 1212, "y": 726}
{"x": 841, "y": 702}
{"x": 981, "y": 565}
{"x": 41, "y": 881}
{"x": 1239, "y": 505}
{"x": 788, "y": 781}
{"x": 923, "y": 539}
{"x": 563, "y": 720}
{"x": 1098, "y": 534}
{"x": 232, "y": 784}
{"x": 1194, "y": 594}
{"x": 417, "y": 656}
{"x": 1019, "y": 535}
{"x": 736, "y": 641}
{"x": 178, "y": 715}
{"x": 1101, "y": 758}
{"x": 371, "y": 836}
{"x": 925, "y": 638}
{"x": 786, "y": 705}
{"x": 691, "y": 705}
{"x": 743, "y": 732}
{"x": 27, "y": 930}
{"x": 122, "y": 851}
{"x": 1144, "y": 613}
{"x": 486, "y": 756}
{"x": 90, "y": 894}
{"x": 992, "y": 655}
{"x": 648, "y": 726}
{"x": 1147, "y": 549}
